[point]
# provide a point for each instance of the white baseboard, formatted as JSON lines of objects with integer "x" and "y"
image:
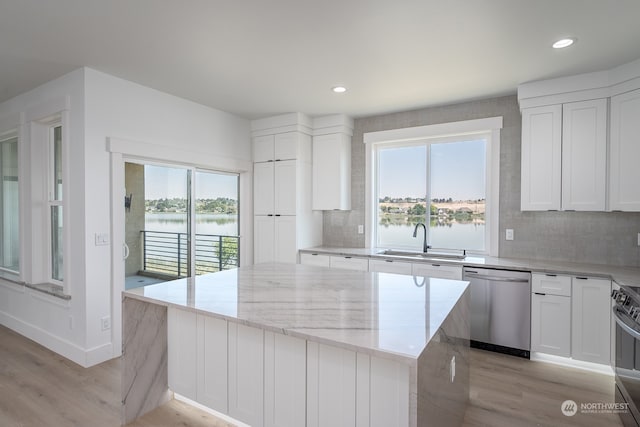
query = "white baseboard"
{"x": 71, "y": 351}
{"x": 208, "y": 410}
{"x": 572, "y": 363}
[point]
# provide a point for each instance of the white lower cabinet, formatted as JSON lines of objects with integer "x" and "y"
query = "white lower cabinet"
{"x": 349, "y": 263}
{"x": 212, "y": 363}
{"x": 345, "y": 388}
{"x": 263, "y": 378}
{"x": 331, "y": 386}
{"x": 437, "y": 271}
{"x": 274, "y": 239}
{"x": 389, "y": 266}
{"x": 182, "y": 352}
{"x": 551, "y": 324}
{"x": 315, "y": 259}
{"x": 591, "y": 317}
{"x": 246, "y": 374}
{"x": 285, "y": 364}
{"x": 571, "y": 317}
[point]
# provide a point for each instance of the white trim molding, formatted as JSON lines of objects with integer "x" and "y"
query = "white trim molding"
{"x": 489, "y": 127}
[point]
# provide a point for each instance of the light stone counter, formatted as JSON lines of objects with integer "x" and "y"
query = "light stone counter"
{"x": 622, "y": 275}
{"x": 416, "y": 323}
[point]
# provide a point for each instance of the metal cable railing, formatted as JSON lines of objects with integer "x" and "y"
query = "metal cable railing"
{"x": 167, "y": 253}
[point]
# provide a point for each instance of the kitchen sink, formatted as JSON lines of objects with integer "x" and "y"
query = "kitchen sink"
{"x": 421, "y": 255}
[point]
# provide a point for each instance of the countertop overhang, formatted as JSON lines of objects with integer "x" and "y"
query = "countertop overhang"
{"x": 389, "y": 315}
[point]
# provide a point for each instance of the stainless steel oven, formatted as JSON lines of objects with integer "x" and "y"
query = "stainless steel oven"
{"x": 626, "y": 313}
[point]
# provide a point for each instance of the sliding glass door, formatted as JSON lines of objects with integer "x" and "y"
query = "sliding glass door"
{"x": 179, "y": 222}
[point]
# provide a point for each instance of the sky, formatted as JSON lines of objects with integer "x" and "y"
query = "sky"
{"x": 167, "y": 183}
{"x": 457, "y": 171}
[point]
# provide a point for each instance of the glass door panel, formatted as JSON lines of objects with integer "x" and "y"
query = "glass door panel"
{"x": 217, "y": 242}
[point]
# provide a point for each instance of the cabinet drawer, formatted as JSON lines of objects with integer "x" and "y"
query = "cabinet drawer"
{"x": 551, "y": 284}
{"x": 349, "y": 263}
{"x": 437, "y": 271}
{"x": 315, "y": 259}
{"x": 390, "y": 266}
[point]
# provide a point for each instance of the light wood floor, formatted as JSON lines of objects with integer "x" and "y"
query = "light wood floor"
{"x": 39, "y": 388}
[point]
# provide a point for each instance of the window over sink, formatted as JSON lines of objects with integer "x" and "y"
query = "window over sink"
{"x": 444, "y": 176}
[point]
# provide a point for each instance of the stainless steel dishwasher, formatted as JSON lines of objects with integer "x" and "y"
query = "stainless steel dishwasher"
{"x": 500, "y": 310}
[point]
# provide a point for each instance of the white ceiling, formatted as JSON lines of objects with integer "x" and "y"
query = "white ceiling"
{"x": 257, "y": 58}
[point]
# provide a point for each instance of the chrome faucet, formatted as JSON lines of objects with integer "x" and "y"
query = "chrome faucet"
{"x": 425, "y": 247}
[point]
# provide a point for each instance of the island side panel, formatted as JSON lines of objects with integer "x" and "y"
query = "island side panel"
{"x": 144, "y": 358}
{"x": 442, "y": 402}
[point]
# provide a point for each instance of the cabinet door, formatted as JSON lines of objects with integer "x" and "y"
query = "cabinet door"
{"x": 590, "y": 322}
{"x": 390, "y": 266}
{"x": 315, "y": 259}
{"x": 285, "y": 385}
{"x": 349, "y": 263}
{"x": 263, "y": 148}
{"x": 551, "y": 284}
{"x": 551, "y": 324}
{"x": 437, "y": 271}
{"x": 331, "y": 172}
{"x": 286, "y": 146}
{"x": 182, "y": 338}
{"x": 285, "y": 244}
{"x": 284, "y": 196}
{"x": 263, "y": 188}
{"x": 541, "y": 158}
{"x": 212, "y": 363}
{"x": 584, "y": 155}
{"x": 331, "y": 386}
{"x": 246, "y": 374}
{"x": 263, "y": 239}
{"x": 624, "y": 152}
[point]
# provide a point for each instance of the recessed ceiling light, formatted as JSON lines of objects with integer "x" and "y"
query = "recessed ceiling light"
{"x": 339, "y": 89}
{"x": 562, "y": 43}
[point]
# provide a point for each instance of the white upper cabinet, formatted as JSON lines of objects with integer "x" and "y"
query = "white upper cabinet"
{"x": 281, "y": 146}
{"x": 263, "y": 148}
{"x": 584, "y": 155}
{"x": 332, "y": 172}
{"x": 564, "y": 157}
{"x": 284, "y": 193}
{"x": 541, "y": 158}
{"x": 624, "y": 173}
{"x": 599, "y": 140}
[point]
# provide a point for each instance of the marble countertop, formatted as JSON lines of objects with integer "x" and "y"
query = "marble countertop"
{"x": 376, "y": 313}
{"x": 628, "y": 276}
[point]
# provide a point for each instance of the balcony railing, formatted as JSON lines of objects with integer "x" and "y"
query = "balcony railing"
{"x": 168, "y": 253}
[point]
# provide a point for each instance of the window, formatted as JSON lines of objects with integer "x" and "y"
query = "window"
{"x": 55, "y": 204}
{"x": 440, "y": 176}
{"x": 9, "y": 205}
{"x": 440, "y": 184}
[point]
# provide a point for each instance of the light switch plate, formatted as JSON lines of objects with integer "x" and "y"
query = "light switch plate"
{"x": 509, "y": 234}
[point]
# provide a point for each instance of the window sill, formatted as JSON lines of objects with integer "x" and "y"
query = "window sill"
{"x": 50, "y": 289}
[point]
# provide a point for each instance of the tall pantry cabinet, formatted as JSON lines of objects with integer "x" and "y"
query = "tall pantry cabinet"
{"x": 283, "y": 219}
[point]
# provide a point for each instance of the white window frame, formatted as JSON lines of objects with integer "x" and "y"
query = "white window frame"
{"x": 488, "y": 128}
{"x": 51, "y": 201}
{"x": 9, "y": 129}
{"x": 38, "y": 121}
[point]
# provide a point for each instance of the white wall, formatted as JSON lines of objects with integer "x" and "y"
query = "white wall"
{"x": 53, "y": 322}
{"x": 104, "y": 107}
{"x": 117, "y": 108}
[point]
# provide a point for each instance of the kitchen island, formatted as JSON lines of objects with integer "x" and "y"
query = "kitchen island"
{"x": 295, "y": 345}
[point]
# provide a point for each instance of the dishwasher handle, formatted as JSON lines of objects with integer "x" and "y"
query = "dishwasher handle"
{"x": 497, "y": 278}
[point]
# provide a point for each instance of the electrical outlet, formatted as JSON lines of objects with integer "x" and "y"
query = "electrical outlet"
{"x": 361, "y": 231}
{"x": 106, "y": 323}
{"x": 509, "y": 234}
{"x": 638, "y": 239}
